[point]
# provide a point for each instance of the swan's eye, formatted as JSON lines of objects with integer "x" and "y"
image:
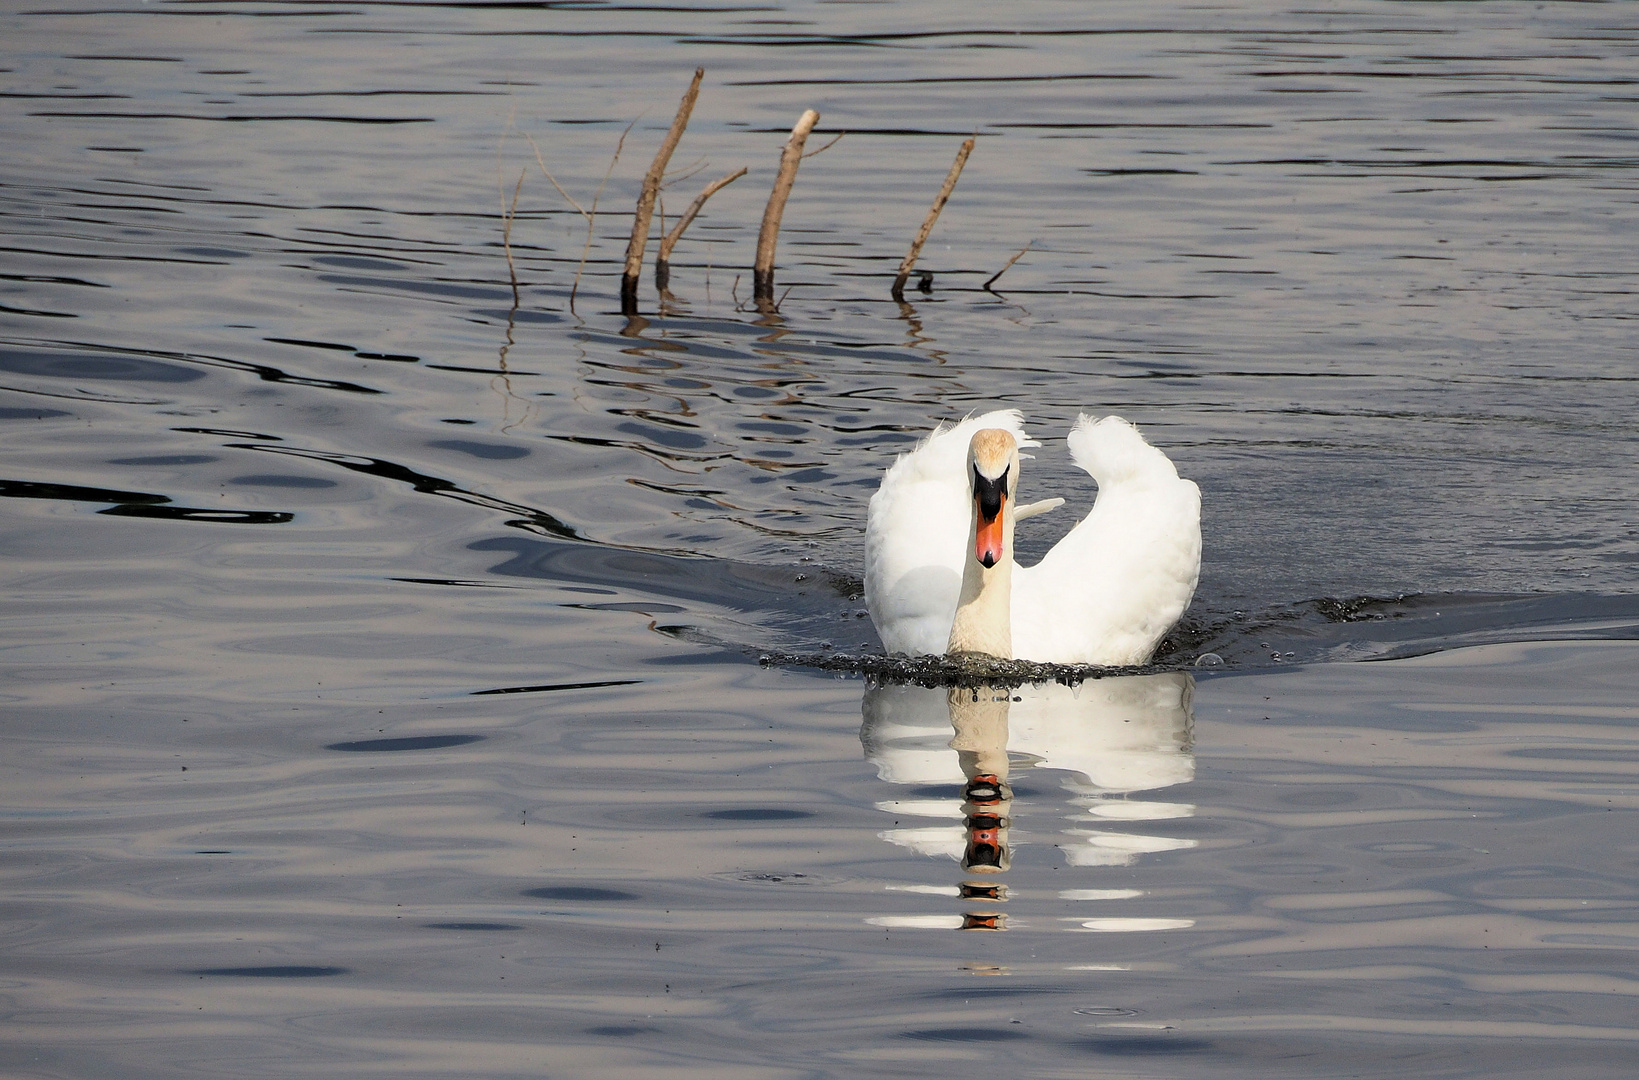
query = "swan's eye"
{"x": 989, "y": 493}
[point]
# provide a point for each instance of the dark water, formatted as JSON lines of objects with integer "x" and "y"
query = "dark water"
{"x": 380, "y": 671}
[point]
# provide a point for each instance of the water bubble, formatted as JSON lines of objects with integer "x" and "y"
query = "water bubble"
{"x": 1209, "y": 659}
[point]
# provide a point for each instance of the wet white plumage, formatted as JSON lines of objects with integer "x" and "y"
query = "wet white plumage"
{"x": 1105, "y": 593}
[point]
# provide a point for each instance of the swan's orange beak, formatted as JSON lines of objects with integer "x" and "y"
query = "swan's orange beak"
{"x": 988, "y": 545}
{"x": 989, "y": 501}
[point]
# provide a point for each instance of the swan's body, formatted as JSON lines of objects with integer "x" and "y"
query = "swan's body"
{"x": 1105, "y": 593}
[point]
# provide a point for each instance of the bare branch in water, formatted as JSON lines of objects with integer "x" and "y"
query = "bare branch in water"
{"x": 508, "y": 215}
{"x": 762, "y": 280}
{"x": 591, "y": 218}
{"x": 1007, "y": 267}
{"x": 933, "y": 216}
{"x": 651, "y": 189}
{"x": 662, "y": 263}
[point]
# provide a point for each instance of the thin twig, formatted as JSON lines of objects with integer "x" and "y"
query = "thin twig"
{"x": 827, "y": 146}
{"x": 591, "y": 218}
{"x": 662, "y": 262}
{"x": 695, "y": 167}
{"x": 1004, "y": 269}
{"x": 508, "y": 215}
{"x": 762, "y": 279}
{"x": 933, "y": 216}
{"x": 554, "y": 180}
{"x": 504, "y": 379}
{"x": 651, "y": 189}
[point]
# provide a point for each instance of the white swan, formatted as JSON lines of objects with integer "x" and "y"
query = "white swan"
{"x": 939, "y": 569}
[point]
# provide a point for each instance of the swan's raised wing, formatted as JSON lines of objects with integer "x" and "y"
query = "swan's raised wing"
{"x": 916, "y": 535}
{"x": 1109, "y": 591}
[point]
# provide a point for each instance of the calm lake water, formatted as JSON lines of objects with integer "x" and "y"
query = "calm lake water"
{"x": 381, "y": 670}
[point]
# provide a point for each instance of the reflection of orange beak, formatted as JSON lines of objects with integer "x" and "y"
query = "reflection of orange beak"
{"x": 988, "y": 545}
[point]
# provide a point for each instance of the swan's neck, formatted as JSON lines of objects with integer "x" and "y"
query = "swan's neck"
{"x": 984, "y": 622}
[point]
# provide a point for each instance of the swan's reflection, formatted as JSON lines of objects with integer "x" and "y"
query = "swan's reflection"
{"x": 1108, "y": 739}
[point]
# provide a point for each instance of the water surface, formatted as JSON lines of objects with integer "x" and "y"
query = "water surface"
{"x": 381, "y": 654}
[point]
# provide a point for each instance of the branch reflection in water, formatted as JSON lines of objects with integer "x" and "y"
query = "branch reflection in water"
{"x": 1108, "y": 739}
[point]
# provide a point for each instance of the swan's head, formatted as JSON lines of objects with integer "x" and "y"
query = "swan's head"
{"x": 992, "y": 474}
